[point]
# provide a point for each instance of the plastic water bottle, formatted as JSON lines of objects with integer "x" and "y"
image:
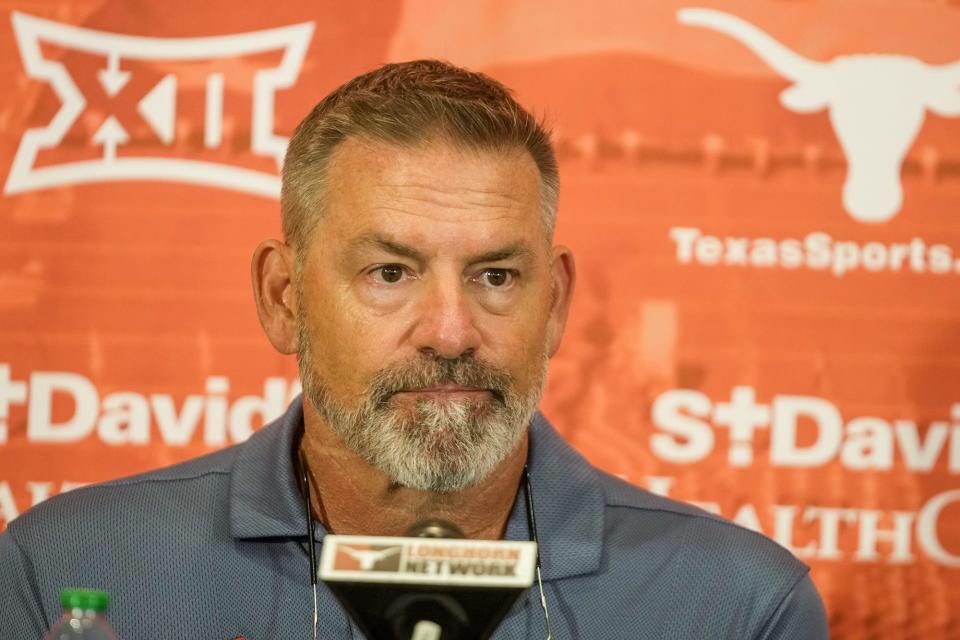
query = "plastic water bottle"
{"x": 82, "y": 617}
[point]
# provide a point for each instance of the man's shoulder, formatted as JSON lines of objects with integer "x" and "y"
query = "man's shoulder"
{"x": 171, "y": 493}
{"x": 703, "y": 565}
{"x": 634, "y": 555}
{"x": 619, "y": 493}
{"x": 702, "y": 542}
{"x": 642, "y": 527}
{"x": 633, "y": 503}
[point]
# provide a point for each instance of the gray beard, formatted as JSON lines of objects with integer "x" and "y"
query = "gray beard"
{"x": 431, "y": 445}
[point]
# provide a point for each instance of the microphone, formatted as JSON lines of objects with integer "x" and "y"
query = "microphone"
{"x": 430, "y": 585}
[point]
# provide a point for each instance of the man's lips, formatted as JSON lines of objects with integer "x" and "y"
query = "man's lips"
{"x": 444, "y": 390}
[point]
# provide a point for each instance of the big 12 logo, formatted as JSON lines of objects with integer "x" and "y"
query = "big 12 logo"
{"x": 208, "y": 58}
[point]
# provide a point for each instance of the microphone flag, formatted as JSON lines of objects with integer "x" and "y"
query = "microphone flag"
{"x": 429, "y": 588}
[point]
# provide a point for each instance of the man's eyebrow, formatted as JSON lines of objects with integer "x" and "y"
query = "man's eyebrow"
{"x": 377, "y": 241}
{"x": 515, "y": 250}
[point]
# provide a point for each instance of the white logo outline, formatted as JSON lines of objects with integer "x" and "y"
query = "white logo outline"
{"x": 30, "y": 30}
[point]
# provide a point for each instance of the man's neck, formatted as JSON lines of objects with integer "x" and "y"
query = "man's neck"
{"x": 350, "y": 497}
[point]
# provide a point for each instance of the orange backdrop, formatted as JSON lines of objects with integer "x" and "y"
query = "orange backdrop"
{"x": 762, "y": 198}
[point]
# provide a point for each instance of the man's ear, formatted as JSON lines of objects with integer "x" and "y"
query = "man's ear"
{"x": 564, "y": 274}
{"x": 273, "y": 274}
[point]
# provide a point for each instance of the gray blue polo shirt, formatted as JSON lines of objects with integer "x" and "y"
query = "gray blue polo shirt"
{"x": 215, "y": 548}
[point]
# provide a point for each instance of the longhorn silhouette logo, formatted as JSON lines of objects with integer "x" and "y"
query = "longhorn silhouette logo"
{"x": 368, "y": 558}
{"x": 877, "y": 104}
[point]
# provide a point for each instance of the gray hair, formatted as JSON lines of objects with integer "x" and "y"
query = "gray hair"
{"x": 407, "y": 104}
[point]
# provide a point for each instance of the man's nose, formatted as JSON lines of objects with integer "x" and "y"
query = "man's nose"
{"x": 447, "y": 323}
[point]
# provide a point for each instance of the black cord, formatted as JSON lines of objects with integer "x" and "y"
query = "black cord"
{"x": 532, "y": 532}
{"x": 311, "y": 541}
{"x": 531, "y": 518}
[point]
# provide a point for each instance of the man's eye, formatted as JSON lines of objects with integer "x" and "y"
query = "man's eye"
{"x": 497, "y": 278}
{"x": 391, "y": 273}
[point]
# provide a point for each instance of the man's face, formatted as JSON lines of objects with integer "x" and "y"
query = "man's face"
{"x": 424, "y": 303}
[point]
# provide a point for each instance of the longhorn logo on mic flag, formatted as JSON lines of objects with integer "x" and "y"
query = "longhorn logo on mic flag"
{"x": 368, "y": 557}
{"x": 204, "y": 68}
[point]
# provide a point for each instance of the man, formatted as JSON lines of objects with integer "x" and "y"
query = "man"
{"x": 419, "y": 287}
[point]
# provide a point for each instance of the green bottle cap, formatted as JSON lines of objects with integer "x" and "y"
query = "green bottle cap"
{"x": 87, "y": 599}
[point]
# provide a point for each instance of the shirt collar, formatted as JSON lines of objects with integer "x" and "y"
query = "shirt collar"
{"x": 569, "y": 505}
{"x": 568, "y": 501}
{"x": 265, "y": 499}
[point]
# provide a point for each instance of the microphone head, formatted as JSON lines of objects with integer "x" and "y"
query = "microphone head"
{"x": 435, "y": 528}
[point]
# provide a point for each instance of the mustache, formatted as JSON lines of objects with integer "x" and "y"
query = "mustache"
{"x": 432, "y": 371}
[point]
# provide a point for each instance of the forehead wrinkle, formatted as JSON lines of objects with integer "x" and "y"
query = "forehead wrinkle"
{"x": 386, "y": 208}
{"x": 444, "y": 188}
{"x": 461, "y": 196}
